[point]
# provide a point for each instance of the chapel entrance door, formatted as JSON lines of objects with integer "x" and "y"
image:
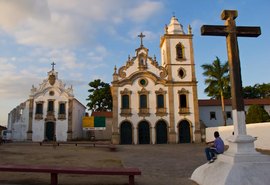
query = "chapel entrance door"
{"x": 126, "y": 133}
{"x": 161, "y": 132}
{"x": 49, "y": 133}
{"x": 184, "y": 132}
{"x": 144, "y": 133}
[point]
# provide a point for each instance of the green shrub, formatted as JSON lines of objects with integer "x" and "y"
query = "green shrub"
{"x": 257, "y": 114}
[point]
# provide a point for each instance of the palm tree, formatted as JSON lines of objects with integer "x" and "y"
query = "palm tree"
{"x": 217, "y": 82}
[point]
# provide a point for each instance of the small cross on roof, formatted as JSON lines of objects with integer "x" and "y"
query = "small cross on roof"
{"x": 141, "y": 36}
{"x": 53, "y": 64}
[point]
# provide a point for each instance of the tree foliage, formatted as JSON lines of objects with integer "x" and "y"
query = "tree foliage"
{"x": 217, "y": 81}
{"x": 257, "y": 114}
{"x": 100, "y": 98}
{"x": 257, "y": 91}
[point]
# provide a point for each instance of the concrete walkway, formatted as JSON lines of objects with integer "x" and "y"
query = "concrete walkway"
{"x": 160, "y": 164}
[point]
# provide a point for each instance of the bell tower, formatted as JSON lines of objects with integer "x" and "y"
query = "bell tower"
{"x": 177, "y": 57}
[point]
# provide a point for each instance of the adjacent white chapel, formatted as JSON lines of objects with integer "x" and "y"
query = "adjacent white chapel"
{"x": 153, "y": 103}
{"x": 51, "y": 111}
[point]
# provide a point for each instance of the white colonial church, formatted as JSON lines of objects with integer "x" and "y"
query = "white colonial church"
{"x": 51, "y": 110}
{"x": 155, "y": 103}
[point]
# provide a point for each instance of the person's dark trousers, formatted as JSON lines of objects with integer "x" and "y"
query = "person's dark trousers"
{"x": 210, "y": 153}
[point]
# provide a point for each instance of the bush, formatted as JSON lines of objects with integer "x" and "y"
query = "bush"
{"x": 257, "y": 114}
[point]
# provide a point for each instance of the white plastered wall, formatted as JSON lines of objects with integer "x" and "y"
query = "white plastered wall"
{"x": 259, "y": 130}
{"x": 78, "y": 113}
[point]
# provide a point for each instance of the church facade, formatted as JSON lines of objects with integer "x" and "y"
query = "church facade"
{"x": 51, "y": 111}
{"x": 157, "y": 103}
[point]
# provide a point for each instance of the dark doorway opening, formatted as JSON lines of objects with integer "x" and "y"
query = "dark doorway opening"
{"x": 126, "y": 133}
{"x": 50, "y": 128}
{"x": 144, "y": 133}
{"x": 184, "y": 132}
{"x": 161, "y": 132}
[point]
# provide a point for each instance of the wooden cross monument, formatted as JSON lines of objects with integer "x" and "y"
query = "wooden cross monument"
{"x": 241, "y": 161}
{"x": 231, "y": 31}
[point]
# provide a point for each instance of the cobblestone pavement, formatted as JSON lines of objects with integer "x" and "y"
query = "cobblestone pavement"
{"x": 160, "y": 164}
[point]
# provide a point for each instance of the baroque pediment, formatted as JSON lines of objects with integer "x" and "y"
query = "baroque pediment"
{"x": 143, "y": 63}
{"x": 51, "y": 82}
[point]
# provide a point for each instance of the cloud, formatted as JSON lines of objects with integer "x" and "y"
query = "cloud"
{"x": 145, "y": 10}
{"x": 70, "y": 33}
{"x": 5, "y": 65}
{"x": 196, "y": 25}
{"x": 67, "y": 24}
{"x": 149, "y": 35}
{"x": 65, "y": 59}
{"x": 14, "y": 83}
{"x": 61, "y": 31}
{"x": 98, "y": 57}
{"x": 13, "y": 12}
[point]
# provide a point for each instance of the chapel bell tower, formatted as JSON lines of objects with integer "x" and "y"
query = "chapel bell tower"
{"x": 177, "y": 57}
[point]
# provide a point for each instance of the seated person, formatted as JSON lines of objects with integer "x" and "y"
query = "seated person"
{"x": 215, "y": 147}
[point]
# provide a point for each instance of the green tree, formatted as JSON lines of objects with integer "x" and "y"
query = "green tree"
{"x": 217, "y": 82}
{"x": 257, "y": 91}
{"x": 100, "y": 98}
{"x": 249, "y": 92}
{"x": 257, "y": 114}
{"x": 264, "y": 90}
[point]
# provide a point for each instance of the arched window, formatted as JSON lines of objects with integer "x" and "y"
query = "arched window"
{"x": 143, "y": 101}
{"x": 125, "y": 101}
{"x": 50, "y": 106}
{"x": 62, "y": 108}
{"x": 183, "y": 101}
{"x": 39, "y": 108}
{"x": 179, "y": 51}
{"x": 160, "y": 101}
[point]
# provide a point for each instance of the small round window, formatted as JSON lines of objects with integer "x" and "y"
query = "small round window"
{"x": 51, "y": 93}
{"x": 143, "y": 82}
{"x": 181, "y": 73}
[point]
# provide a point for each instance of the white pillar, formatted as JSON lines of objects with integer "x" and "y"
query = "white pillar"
{"x": 153, "y": 135}
{"x": 135, "y": 135}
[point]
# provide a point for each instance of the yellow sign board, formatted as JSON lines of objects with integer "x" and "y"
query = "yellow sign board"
{"x": 88, "y": 122}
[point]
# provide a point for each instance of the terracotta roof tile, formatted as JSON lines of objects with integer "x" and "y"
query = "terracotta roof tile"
{"x": 105, "y": 114}
{"x": 212, "y": 102}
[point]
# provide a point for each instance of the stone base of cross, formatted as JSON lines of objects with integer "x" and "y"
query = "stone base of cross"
{"x": 241, "y": 164}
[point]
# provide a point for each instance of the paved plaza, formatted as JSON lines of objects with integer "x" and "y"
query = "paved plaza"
{"x": 160, "y": 164}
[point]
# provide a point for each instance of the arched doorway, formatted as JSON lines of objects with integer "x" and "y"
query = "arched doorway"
{"x": 126, "y": 133}
{"x": 49, "y": 133}
{"x": 184, "y": 132}
{"x": 144, "y": 133}
{"x": 161, "y": 132}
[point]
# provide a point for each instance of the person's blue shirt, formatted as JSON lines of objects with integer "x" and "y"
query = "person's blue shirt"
{"x": 219, "y": 145}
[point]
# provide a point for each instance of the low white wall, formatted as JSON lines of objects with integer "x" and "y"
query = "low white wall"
{"x": 259, "y": 130}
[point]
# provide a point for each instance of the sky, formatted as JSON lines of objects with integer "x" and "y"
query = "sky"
{"x": 87, "y": 38}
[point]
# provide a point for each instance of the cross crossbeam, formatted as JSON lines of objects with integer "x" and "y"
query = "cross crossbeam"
{"x": 241, "y": 31}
